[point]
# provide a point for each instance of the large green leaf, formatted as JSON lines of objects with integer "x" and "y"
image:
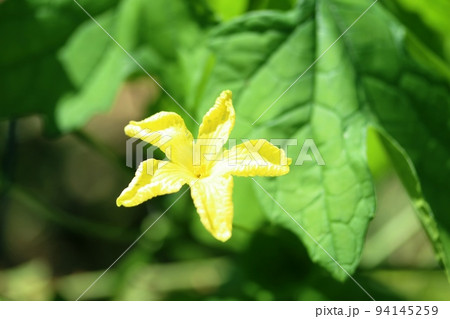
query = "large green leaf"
{"x": 365, "y": 79}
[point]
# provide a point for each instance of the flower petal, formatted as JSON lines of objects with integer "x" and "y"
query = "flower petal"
{"x": 167, "y": 131}
{"x": 154, "y": 178}
{"x": 216, "y": 125}
{"x": 213, "y": 199}
{"x": 253, "y": 158}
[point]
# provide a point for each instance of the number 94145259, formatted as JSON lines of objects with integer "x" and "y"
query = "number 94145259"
{"x": 407, "y": 310}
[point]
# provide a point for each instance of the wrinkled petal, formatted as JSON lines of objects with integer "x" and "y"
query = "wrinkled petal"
{"x": 213, "y": 199}
{"x": 154, "y": 178}
{"x": 167, "y": 131}
{"x": 216, "y": 126}
{"x": 253, "y": 158}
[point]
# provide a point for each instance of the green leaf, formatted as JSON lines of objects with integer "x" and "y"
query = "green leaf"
{"x": 365, "y": 79}
{"x": 79, "y": 66}
{"x": 271, "y": 4}
{"x": 62, "y": 64}
{"x": 427, "y": 20}
{"x": 420, "y": 127}
{"x": 408, "y": 175}
{"x": 97, "y": 67}
{"x": 427, "y": 27}
{"x": 31, "y": 32}
{"x": 141, "y": 28}
{"x": 226, "y": 10}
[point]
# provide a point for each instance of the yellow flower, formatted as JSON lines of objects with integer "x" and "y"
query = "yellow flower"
{"x": 203, "y": 164}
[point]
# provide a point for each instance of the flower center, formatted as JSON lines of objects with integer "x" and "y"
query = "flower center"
{"x": 201, "y": 171}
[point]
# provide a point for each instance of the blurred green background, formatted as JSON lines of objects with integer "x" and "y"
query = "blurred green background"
{"x": 67, "y": 91}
